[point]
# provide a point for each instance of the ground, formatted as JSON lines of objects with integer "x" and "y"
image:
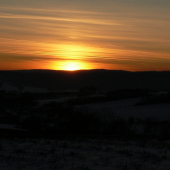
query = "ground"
{"x": 84, "y": 154}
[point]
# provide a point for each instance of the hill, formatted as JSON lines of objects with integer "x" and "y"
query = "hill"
{"x": 103, "y": 79}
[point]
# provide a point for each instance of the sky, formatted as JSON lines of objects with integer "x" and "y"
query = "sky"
{"x": 85, "y": 34}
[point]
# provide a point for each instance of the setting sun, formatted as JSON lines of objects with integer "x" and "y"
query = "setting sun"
{"x": 71, "y": 57}
{"x": 71, "y": 66}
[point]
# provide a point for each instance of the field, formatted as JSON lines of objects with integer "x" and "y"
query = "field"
{"x": 126, "y": 108}
{"x": 84, "y": 154}
{"x": 66, "y": 131}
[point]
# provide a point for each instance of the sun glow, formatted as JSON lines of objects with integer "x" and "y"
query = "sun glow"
{"x": 71, "y": 57}
{"x": 71, "y": 51}
{"x": 71, "y": 65}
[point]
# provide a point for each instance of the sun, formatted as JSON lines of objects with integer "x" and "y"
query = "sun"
{"x": 71, "y": 66}
{"x": 71, "y": 57}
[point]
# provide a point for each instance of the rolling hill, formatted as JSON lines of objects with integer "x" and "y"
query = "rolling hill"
{"x": 103, "y": 79}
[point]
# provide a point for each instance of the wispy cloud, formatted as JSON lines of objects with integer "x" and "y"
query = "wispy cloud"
{"x": 52, "y": 10}
{"x": 20, "y": 58}
{"x": 87, "y": 21}
{"x": 115, "y": 34}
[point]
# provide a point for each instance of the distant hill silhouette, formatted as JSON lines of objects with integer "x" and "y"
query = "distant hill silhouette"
{"x": 102, "y": 79}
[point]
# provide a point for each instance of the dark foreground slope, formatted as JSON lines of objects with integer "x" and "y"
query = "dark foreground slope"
{"x": 103, "y": 79}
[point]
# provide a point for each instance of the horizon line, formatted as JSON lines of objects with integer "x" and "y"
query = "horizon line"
{"x": 87, "y": 70}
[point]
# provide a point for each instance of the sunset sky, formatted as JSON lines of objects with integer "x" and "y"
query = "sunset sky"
{"x": 131, "y": 35}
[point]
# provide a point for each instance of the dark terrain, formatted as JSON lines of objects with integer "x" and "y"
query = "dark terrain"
{"x": 52, "y": 129}
{"x": 103, "y": 79}
{"x": 58, "y": 114}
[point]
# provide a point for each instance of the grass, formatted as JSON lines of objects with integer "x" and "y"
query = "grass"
{"x": 85, "y": 154}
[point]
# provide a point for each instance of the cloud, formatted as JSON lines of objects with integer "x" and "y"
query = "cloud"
{"x": 33, "y": 17}
{"x": 120, "y": 35}
{"x": 23, "y": 58}
{"x": 23, "y": 9}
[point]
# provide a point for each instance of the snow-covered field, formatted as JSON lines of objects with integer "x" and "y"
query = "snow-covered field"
{"x": 10, "y": 127}
{"x": 11, "y": 87}
{"x": 84, "y": 154}
{"x": 58, "y": 100}
{"x": 126, "y": 108}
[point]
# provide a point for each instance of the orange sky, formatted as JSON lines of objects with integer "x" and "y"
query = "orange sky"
{"x": 84, "y": 35}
